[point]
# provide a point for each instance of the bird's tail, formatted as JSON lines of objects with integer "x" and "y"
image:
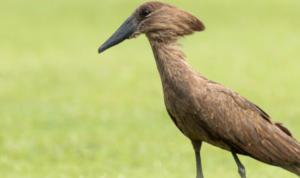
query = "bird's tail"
{"x": 293, "y": 147}
{"x": 295, "y": 168}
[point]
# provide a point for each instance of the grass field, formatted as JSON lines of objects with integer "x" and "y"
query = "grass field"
{"x": 67, "y": 112}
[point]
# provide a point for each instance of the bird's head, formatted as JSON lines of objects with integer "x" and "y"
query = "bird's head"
{"x": 159, "y": 21}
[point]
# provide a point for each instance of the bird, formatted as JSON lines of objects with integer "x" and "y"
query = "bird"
{"x": 203, "y": 110}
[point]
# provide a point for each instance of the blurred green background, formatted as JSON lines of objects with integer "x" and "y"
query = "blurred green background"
{"x": 67, "y": 112}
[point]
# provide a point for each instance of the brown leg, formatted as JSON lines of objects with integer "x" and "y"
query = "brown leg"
{"x": 197, "y": 147}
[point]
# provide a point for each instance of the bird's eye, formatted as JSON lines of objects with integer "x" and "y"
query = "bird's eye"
{"x": 145, "y": 12}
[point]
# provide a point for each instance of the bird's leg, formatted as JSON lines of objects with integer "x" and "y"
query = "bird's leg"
{"x": 199, "y": 167}
{"x": 241, "y": 170}
{"x": 197, "y": 146}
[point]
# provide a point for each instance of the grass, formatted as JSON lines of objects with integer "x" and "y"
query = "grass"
{"x": 66, "y": 111}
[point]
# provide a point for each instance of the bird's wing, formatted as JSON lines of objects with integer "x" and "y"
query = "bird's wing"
{"x": 245, "y": 127}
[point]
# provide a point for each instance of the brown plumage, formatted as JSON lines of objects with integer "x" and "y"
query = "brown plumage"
{"x": 201, "y": 109}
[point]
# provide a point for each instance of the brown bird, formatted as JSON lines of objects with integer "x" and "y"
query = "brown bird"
{"x": 204, "y": 110}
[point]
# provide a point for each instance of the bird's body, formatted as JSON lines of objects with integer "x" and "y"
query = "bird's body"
{"x": 207, "y": 111}
{"x": 201, "y": 109}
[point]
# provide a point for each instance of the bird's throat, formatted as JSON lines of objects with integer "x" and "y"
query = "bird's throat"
{"x": 169, "y": 59}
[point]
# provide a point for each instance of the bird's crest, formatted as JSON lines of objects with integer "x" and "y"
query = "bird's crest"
{"x": 165, "y": 22}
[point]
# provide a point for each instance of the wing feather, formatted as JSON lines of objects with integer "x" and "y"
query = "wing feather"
{"x": 245, "y": 127}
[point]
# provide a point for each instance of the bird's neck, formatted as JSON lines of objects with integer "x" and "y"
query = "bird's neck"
{"x": 169, "y": 59}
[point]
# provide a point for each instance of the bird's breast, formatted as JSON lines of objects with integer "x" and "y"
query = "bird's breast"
{"x": 185, "y": 108}
{"x": 179, "y": 104}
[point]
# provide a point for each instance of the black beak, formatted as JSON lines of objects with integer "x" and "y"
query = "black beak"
{"x": 126, "y": 29}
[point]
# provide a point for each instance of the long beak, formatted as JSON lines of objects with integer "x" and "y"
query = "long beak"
{"x": 126, "y": 29}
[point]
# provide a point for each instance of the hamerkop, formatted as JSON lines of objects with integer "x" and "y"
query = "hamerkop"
{"x": 204, "y": 110}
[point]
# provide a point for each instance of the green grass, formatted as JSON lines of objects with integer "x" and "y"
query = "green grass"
{"x": 66, "y": 111}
